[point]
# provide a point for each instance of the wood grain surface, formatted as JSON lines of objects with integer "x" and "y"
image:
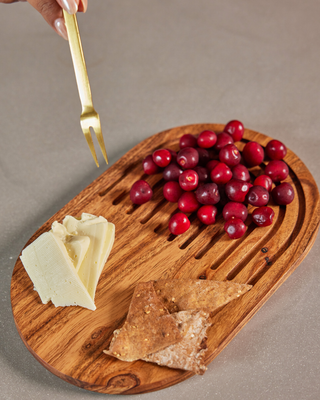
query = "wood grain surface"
{"x": 68, "y": 341}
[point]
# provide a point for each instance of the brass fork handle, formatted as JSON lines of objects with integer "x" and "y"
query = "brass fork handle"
{"x": 78, "y": 61}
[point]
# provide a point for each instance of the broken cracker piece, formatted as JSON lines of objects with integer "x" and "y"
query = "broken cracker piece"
{"x": 190, "y": 294}
{"x": 144, "y": 332}
{"x": 188, "y": 354}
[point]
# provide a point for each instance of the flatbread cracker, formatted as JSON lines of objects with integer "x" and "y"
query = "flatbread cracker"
{"x": 188, "y": 354}
{"x": 148, "y": 328}
{"x": 189, "y": 294}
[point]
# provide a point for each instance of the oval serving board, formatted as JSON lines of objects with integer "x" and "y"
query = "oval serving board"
{"x": 69, "y": 341}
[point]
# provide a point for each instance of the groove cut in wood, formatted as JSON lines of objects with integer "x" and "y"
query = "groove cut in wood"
{"x": 69, "y": 341}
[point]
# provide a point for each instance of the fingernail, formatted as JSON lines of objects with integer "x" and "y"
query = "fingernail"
{"x": 84, "y": 5}
{"x": 60, "y": 27}
{"x": 71, "y": 6}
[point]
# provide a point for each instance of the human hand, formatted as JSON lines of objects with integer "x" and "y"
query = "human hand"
{"x": 51, "y": 10}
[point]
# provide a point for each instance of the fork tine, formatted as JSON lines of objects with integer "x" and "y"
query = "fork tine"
{"x": 87, "y": 135}
{"x": 97, "y": 131}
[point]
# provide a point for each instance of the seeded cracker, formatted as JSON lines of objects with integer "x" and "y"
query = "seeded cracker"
{"x": 188, "y": 294}
{"x": 148, "y": 327}
{"x": 188, "y": 354}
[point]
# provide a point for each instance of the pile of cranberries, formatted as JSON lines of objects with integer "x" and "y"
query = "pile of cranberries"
{"x": 210, "y": 173}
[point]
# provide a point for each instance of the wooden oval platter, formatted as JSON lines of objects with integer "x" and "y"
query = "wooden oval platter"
{"x": 69, "y": 341}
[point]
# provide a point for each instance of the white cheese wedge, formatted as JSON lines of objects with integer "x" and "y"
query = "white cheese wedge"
{"x": 65, "y": 264}
{"x": 53, "y": 274}
{"x": 101, "y": 234}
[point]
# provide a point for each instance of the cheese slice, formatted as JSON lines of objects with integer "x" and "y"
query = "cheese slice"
{"x": 101, "y": 234}
{"x": 107, "y": 245}
{"x": 53, "y": 274}
{"x": 77, "y": 246}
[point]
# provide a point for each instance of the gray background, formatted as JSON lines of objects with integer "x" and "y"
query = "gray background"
{"x": 153, "y": 65}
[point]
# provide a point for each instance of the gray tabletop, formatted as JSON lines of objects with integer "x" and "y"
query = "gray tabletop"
{"x": 153, "y": 65}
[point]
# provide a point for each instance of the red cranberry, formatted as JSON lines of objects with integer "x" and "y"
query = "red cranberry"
{"x": 204, "y": 156}
{"x": 140, "y": 192}
{"x": 234, "y": 210}
{"x": 188, "y": 202}
{"x": 258, "y": 196}
{"x": 208, "y": 194}
{"x": 172, "y": 191}
{"x": 203, "y": 173}
{"x": 178, "y": 224}
{"x": 230, "y": 155}
{"x": 240, "y": 172}
{"x": 236, "y": 190}
{"x": 263, "y": 216}
{"x": 222, "y": 140}
{"x": 188, "y": 157}
{"x": 173, "y": 155}
{"x": 277, "y": 170}
{"x": 207, "y": 214}
{"x": 221, "y": 174}
{"x": 207, "y": 139}
{"x": 161, "y": 157}
{"x": 276, "y": 150}
{"x": 246, "y": 198}
{"x": 283, "y": 194}
{"x": 253, "y": 154}
{"x": 172, "y": 172}
{"x": 265, "y": 181}
{"x": 235, "y": 129}
{"x": 235, "y": 228}
{"x": 149, "y": 166}
{"x": 189, "y": 180}
{"x": 212, "y": 164}
{"x": 187, "y": 140}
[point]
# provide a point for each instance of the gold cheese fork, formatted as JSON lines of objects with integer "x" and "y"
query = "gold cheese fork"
{"x": 89, "y": 117}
